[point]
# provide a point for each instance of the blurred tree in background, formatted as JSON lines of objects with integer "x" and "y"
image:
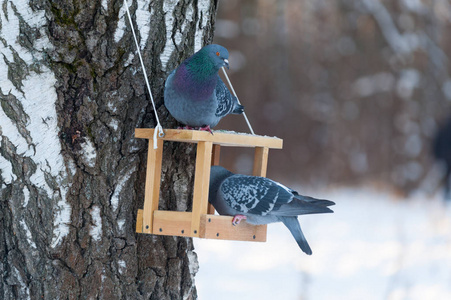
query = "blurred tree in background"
{"x": 356, "y": 89}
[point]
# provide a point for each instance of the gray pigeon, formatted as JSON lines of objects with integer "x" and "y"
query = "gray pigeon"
{"x": 260, "y": 200}
{"x": 195, "y": 95}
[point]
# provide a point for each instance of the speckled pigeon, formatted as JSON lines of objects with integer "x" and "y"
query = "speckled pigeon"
{"x": 260, "y": 200}
{"x": 195, "y": 95}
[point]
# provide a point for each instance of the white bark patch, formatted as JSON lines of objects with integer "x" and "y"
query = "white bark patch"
{"x": 188, "y": 19}
{"x": 72, "y": 167}
{"x": 6, "y": 170}
{"x": 122, "y": 266}
{"x": 10, "y": 30}
{"x": 111, "y": 107}
{"x": 26, "y": 195}
{"x": 168, "y": 6}
{"x": 23, "y": 287}
{"x": 8, "y": 129}
{"x": 121, "y": 25}
{"x": 28, "y": 234}
{"x": 170, "y": 45}
{"x": 38, "y": 97}
{"x": 203, "y": 7}
{"x": 9, "y": 27}
{"x": 120, "y": 224}
{"x": 114, "y": 124}
{"x": 143, "y": 16}
{"x": 119, "y": 186}
{"x": 39, "y": 104}
{"x": 96, "y": 227}
{"x": 193, "y": 267}
{"x": 105, "y": 5}
{"x": 89, "y": 153}
{"x": 129, "y": 60}
{"x": 60, "y": 220}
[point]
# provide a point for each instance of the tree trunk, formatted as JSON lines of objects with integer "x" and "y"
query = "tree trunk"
{"x": 72, "y": 174}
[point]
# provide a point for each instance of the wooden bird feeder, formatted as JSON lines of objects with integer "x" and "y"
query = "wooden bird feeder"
{"x": 201, "y": 221}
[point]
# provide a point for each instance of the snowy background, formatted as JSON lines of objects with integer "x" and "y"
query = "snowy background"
{"x": 375, "y": 246}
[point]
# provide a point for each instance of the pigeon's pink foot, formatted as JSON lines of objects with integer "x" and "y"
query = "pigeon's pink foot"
{"x": 206, "y": 128}
{"x": 186, "y": 127}
{"x": 237, "y": 219}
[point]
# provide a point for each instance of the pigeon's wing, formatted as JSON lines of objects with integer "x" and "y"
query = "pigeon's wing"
{"x": 300, "y": 205}
{"x": 315, "y": 201}
{"x": 253, "y": 195}
{"x": 312, "y": 200}
{"x": 225, "y": 99}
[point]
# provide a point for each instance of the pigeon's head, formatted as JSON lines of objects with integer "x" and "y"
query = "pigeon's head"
{"x": 218, "y": 172}
{"x": 218, "y": 55}
{"x": 206, "y": 62}
{"x": 217, "y": 175}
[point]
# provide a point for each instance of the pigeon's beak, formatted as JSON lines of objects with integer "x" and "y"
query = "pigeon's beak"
{"x": 226, "y": 62}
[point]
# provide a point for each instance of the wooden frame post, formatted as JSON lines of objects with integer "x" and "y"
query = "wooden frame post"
{"x": 216, "y": 152}
{"x": 216, "y": 155}
{"x": 201, "y": 185}
{"x": 153, "y": 180}
{"x": 260, "y": 161}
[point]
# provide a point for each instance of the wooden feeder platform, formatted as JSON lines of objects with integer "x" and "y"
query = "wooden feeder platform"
{"x": 201, "y": 221}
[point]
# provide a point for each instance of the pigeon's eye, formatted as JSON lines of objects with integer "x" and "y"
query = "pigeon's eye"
{"x": 217, "y": 53}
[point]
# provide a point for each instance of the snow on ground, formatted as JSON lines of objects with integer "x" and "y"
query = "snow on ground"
{"x": 375, "y": 246}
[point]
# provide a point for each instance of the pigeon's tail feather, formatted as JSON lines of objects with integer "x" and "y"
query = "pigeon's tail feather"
{"x": 293, "y": 225}
{"x": 238, "y": 109}
{"x": 300, "y": 207}
{"x": 315, "y": 201}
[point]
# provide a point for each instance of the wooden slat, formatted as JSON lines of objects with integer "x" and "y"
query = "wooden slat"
{"x": 222, "y": 138}
{"x": 216, "y": 152}
{"x": 201, "y": 184}
{"x": 210, "y": 209}
{"x": 176, "y": 223}
{"x": 260, "y": 161}
{"x": 221, "y": 228}
{"x": 153, "y": 179}
{"x": 172, "y": 223}
{"x": 139, "y": 221}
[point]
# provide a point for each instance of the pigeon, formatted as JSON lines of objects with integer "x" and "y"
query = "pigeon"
{"x": 260, "y": 200}
{"x": 195, "y": 95}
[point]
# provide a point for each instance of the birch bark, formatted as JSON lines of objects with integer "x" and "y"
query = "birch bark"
{"x": 71, "y": 171}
